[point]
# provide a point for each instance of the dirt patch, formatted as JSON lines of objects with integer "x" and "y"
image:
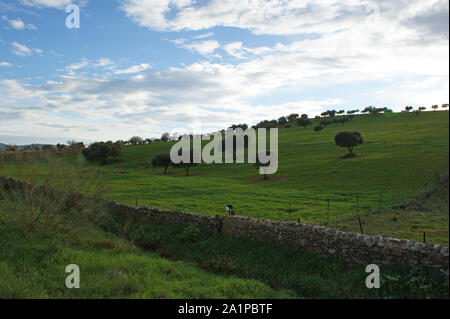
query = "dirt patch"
{"x": 113, "y": 161}
{"x": 122, "y": 172}
{"x": 260, "y": 179}
{"x": 141, "y": 165}
{"x": 350, "y": 156}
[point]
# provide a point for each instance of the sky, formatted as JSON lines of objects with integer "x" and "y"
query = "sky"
{"x": 145, "y": 67}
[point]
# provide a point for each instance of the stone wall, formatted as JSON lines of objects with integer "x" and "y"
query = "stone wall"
{"x": 346, "y": 246}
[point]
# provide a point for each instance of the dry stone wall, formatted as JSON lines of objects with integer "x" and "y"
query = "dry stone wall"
{"x": 350, "y": 247}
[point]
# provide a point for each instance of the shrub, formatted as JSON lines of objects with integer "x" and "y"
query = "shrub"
{"x": 190, "y": 234}
{"x": 99, "y": 152}
{"x": 318, "y": 128}
{"x": 55, "y": 207}
{"x": 162, "y": 160}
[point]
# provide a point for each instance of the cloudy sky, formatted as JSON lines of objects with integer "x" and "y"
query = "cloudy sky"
{"x": 144, "y": 67}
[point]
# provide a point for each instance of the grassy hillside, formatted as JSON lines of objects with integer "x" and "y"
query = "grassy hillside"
{"x": 402, "y": 153}
{"x": 401, "y": 156}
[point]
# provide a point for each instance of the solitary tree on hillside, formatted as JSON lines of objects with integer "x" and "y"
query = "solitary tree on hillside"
{"x": 408, "y": 108}
{"x": 187, "y": 166}
{"x": 435, "y": 107}
{"x": 162, "y": 160}
{"x": 348, "y": 140}
{"x": 444, "y": 106}
{"x": 259, "y": 164}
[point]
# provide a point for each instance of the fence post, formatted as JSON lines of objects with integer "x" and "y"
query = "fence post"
{"x": 381, "y": 200}
{"x": 357, "y": 204}
{"x": 328, "y": 212}
{"x": 360, "y": 225}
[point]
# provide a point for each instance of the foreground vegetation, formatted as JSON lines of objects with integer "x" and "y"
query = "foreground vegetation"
{"x": 122, "y": 258}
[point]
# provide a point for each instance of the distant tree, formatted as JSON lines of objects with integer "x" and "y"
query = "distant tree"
{"x": 27, "y": 148}
{"x": 121, "y": 143}
{"x": 341, "y": 112}
{"x": 282, "y": 120}
{"x": 419, "y": 110}
{"x": 444, "y": 106}
{"x": 136, "y": 140}
{"x": 76, "y": 146}
{"x": 348, "y": 140}
{"x": 408, "y": 108}
{"x": 293, "y": 117}
{"x": 267, "y": 124}
{"x": 100, "y": 151}
{"x": 162, "y": 160}
{"x": 35, "y": 147}
{"x": 318, "y": 128}
{"x": 165, "y": 137}
{"x": 48, "y": 147}
{"x": 12, "y": 148}
{"x": 325, "y": 122}
{"x": 241, "y": 126}
{"x": 303, "y": 121}
{"x": 435, "y": 107}
{"x": 60, "y": 147}
{"x": 331, "y": 113}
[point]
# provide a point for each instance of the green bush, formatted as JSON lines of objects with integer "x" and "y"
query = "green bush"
{"x": 190, "y": 234}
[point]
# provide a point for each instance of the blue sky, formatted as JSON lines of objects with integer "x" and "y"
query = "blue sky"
{"x": 150, "y": 66}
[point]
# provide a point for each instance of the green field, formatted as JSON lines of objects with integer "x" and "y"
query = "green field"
{"x": 402, "y": 154}
{"x": 400, "y": 159}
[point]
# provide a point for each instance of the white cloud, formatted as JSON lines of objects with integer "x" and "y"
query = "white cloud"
{"x": 206, "y": 47}
{"x": 276, "y": 17}
{"x": 104, "y": 62}
{"x": 23, "y": 50}
{"x": 18, "y": 24}
{"x": 5, "y": 64}
{"x": 204, "y": 35}
{"x": 133, "y": 69}
{"x": 58, "y": 4}
{"x": 399, "y": 47}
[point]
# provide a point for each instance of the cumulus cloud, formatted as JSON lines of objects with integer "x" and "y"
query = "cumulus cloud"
{"x": 400, "y": 45}
{"x": 279, "y": 17}
{"x": 133, "y": 69}
{"x": 5, "y": 64}
{"x": 206, "y": 47}
{"x": 23, "y": 50}
{"x": 58, "y": 4}
{"x": 18, "y": 24}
